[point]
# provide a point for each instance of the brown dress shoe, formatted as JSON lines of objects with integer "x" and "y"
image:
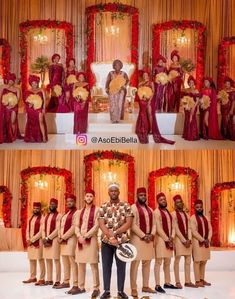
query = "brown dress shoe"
{"x": 178, "y": 285}
{"x": 41, "y": 282}
{"x": 205, "y": 283}
{"x": 75, "y": 291}
{"x": 95, "y": 293}
{"x": 190, "y": 285}
{"x": 30, "y": 280}
{"x": 57, "y": 283}
{"x": 134, "y": 293}
{"x": 62, "y": 286}
{"x": 199, "y": 284}
{"x": 148, "y": 290}
{"x": 49, "y": 283}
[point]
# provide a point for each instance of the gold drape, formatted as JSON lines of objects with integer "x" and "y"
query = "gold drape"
{"x": 217, "y": 15}
{"x": 213, "y": 166}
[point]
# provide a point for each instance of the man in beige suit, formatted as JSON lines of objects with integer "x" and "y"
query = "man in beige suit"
{"x": 34, "y": 241}
{"x": 87, "y": 250}
{"x": 182, "y": 242}
{"x": 143, "y": 231}
{"x": 68, "y": 241}
{"x": 202, "y": 233}
{"x": 164, "y": 243}
{"x": 51, "y": 248}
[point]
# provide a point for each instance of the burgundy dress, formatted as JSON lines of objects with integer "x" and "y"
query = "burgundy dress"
{"x": 1, "y": 123}
{"x": 159, "y": 98}
{"x": 190, "y": 131}
{"x": 226, "y": 121}
{"x": 143, "y": 123}
{"x": 212, "y": 132}
{"x": 81, "y": 115}
{"x": 32, "y": 128}
{"x": 9, "y": 135}
{"x": 57, "y": 104}
{"x": 174, "y": 90}
{"x": 69, "y": 88}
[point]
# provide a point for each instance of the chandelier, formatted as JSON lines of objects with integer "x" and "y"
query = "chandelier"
{"x": 41, "y": 184}
{"x": 112, "y": 30}
{"x": 176, "y": 186}
{"x": 183, "y": 40}
{"x": 109, "y": 177}
{"x": 40, "y": 38}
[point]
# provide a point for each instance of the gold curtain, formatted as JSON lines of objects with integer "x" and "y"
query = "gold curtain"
{"x": 213, "y": 166}
{"x": 217, "y": 15}
{"x": 1, "y": 201}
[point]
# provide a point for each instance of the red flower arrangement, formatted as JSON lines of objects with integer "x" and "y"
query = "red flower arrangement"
{"x": 28, "y": 25}
{"x": 6, "y": 205}
{"x": 25, "y": 175}
{"x": 222, "y": 59}
{"x": 215, "y": 209}
{"x": 113, "y": 8}
{"x": 5, "y": 57}
{"x": 182, "y": 25}
{"x": 172, "y": 171}
{"x": 111, "y": 155}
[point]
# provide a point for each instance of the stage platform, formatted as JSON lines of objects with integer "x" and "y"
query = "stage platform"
{"x": 220, "y": 272}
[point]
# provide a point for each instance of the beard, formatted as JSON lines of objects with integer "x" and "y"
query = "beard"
{"x": 199, "y": 213}
{"x": 52, "y": 209}
{"x": 163, "y": 206}
{"x": 141, "y": 201}
{"x": 36, "y": 213}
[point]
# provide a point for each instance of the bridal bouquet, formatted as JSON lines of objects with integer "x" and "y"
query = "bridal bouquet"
{"x": 205, "y": 102}
{"x": 172, "y": 75}
{"x": 57, "y": 90}
{"x": 187, "y": 103}
{"x": 71, "y": 79}
{"x": 35, "y": 100}
{"x": 145, "y": 93}
{"x": 116, "y": 84}
{"x": 162, "y": 78}
{"x": 9, "y": 99}
{"x": 80, "y": 93}
{"x": 223, "y": 97}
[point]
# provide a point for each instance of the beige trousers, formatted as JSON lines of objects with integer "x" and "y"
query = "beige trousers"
{"x": 49, "y": 264}
{"x": 199, "y": 270}
{"x": 82, "y": 275}
{"x": 166, "y": 269}
{"x": 145, "y": 273}
{"x": 33, "y": 268}
{"x": 70, "y": 265}
{"x": 187, "y": 263}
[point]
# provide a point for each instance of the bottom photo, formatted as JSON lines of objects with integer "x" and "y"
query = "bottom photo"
{"x": 116, "y": 224}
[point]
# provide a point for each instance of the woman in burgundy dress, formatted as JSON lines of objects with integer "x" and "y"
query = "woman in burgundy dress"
{"x": 159, "y": 97}
{"x": 70, "y": 72}
{"x": 81, "y": 106}
{"x": 174, "y": 87}
{"x": 190, "y": 131}
{"x": 57, "y": 101}
{"x": 209, "y": 116}
{"x": 35, "y": 129}
{"x": 146, "y": 121}
{"x": 10, "y": 109}
{"x": 227, "y": 123}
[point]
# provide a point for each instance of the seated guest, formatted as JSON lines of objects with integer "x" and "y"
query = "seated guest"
{"x": 35, "y": 246}
{"x": 51, "y": 246}
{"x": 87, "y": 250}
{"x": 115, "y": 219}
{"x": 202, "y": 233}
{"x": 164, "y": 243}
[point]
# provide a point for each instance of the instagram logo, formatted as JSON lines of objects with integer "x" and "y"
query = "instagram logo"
{"x": 81, "y": 139}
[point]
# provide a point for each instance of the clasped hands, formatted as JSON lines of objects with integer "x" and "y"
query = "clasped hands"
{"x": 148, "y": 238}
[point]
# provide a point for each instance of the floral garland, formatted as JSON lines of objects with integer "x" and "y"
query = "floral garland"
{"x": 25, "y": 175}
{"x": 111, "y": 155}
{"x": 222, "y": 59}
{"x": 215, "y": 209}
{"x": 6, "y": 54}
{"x": 114, "y": 8}
{"x": 6, "y": 205}
{"x": 28, "y": 25}
{"x": 172, "y": 171}
{"x": 201, "y": 45}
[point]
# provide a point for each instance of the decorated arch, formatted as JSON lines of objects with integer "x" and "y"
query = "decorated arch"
{"x": 6, "y": 205}
{"x": 6, "y": 57}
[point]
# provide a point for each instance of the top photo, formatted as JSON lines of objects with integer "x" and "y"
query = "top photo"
{"x": 87, "y": 74}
